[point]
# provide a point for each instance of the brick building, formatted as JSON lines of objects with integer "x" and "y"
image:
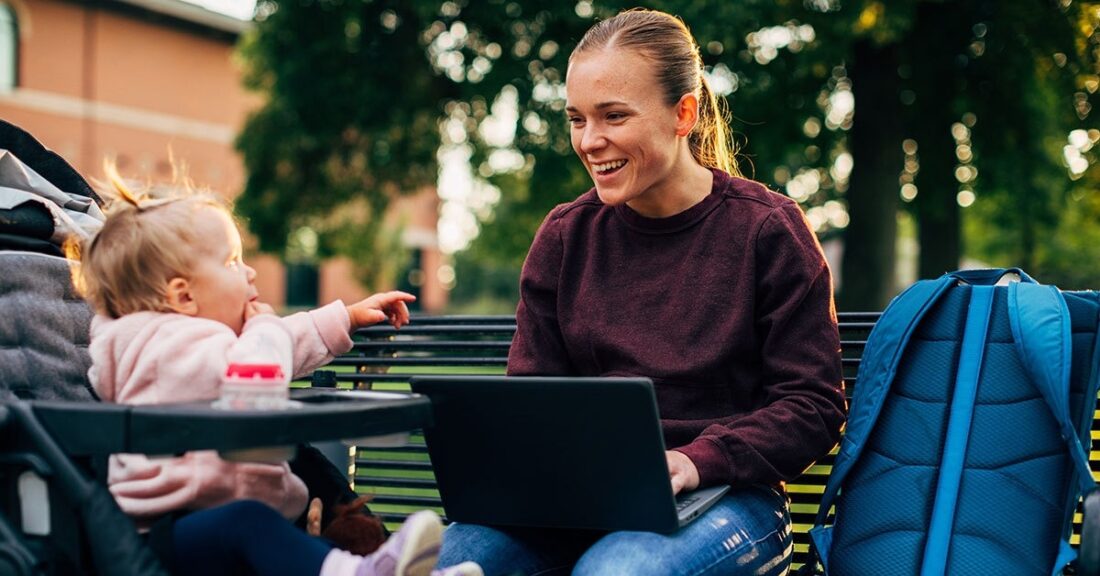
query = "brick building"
{"x": 140, "y": 80}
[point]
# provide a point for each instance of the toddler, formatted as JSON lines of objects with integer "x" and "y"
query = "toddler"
{"x": 175, "y": 304}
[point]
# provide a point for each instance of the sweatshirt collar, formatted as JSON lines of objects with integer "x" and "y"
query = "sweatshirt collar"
{"x": 681, "y": 221}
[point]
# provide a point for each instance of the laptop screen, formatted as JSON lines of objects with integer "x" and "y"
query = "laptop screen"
{"x": 549, "y": 451}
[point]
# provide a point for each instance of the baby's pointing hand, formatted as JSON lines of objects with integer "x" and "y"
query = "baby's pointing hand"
{"x": 385, "y": 306}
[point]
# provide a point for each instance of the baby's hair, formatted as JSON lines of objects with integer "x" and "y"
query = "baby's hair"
{"x": 145, "y": 242}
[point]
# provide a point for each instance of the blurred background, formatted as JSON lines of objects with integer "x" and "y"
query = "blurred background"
{"x": 371, "y": 144}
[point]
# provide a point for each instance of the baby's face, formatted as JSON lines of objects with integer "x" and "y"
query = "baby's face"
{"x": 221, "y": 283}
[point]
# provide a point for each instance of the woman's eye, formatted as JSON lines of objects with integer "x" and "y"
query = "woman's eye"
{"x": 616, "y": 116}
{"x": 576, "y": 120}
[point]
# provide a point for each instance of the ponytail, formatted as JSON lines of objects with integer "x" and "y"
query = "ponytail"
{"x": 710, "y": 142}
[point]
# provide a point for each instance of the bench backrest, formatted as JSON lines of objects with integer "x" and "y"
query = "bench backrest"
{"x": 401, "y": 479}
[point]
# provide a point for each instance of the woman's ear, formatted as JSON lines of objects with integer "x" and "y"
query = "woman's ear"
{"x": 687, "y": 114}
{"x": 180, "y": 298}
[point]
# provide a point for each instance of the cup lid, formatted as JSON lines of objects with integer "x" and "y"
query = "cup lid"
{"x": 257, "y": 371}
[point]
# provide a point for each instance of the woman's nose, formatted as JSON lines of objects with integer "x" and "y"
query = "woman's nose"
{"x": 592, "y": 139}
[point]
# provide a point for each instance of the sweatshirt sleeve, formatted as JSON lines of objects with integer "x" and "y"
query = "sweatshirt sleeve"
{"x": 319, "y": 336}
{"x": 804, "y": 406}
{"x": 538, "y": 347}
{"x": 184, "y": 359}
{"x": 147, "y": 488}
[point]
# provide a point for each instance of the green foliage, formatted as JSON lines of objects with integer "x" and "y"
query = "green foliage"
{"x": 1068, "y": 254}
{"x": 1023, "y": 120}
{"x": 356, "y": 92}
{"x": 350, "y": 120}
{"x": 486, "y": 287}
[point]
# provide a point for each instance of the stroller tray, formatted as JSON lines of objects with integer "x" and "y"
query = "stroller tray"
{"x": 83, "y": 428}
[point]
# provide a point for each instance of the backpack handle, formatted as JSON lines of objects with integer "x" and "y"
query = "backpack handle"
{"x": 989, "y": 276}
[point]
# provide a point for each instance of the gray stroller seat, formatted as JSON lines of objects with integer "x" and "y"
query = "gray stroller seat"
{"x": 43, "y": 330}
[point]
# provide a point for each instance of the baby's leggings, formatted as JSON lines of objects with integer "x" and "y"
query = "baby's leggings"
{"x": 230, "y": 539}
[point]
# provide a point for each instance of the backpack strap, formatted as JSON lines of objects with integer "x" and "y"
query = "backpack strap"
{"x": 960, "y": 418}
{"x": 880, "y": 361}
{"x": 1041, "y": 328}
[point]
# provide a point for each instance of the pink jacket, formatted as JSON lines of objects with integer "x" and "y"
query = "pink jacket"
{"x": 157, "y": 358}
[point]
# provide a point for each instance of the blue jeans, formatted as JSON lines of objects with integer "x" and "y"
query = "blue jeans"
{"x": 747, "y": 532}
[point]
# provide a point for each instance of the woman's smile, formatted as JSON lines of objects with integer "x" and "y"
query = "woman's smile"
{"x": 604, "y": 172}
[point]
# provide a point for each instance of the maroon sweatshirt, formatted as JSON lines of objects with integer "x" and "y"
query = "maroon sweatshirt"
{"x": 727, "y": 306}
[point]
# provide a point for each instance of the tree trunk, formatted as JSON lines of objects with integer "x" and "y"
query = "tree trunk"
{"x": 869, "y": 258}
{"x": 935, "y": 41}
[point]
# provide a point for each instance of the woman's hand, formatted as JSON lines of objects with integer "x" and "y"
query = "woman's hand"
{"x": 684, "y": 474}
{"x": 381, "y": 307}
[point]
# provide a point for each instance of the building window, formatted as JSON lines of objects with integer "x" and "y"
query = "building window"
{"x": 9, "y": 47}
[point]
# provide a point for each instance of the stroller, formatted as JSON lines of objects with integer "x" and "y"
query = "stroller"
{"x": 56, "y": 515}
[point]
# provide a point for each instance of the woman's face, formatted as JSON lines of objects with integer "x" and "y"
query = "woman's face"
{"x": 621, "y": 128}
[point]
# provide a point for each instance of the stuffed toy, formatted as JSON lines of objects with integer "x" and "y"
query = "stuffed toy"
{"x": 351, "y": 527}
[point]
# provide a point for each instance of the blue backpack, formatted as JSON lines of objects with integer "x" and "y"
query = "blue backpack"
{"x": 965, "y": 451}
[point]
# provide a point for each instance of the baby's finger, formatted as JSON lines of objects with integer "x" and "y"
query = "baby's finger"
{"x": 387, "y": 299}
{"x": 399, "y": 315}
{"x": 372, "y": 316}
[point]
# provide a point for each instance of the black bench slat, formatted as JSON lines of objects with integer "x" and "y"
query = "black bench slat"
{"x": 426, "y": 361}
{"x": 418, "y": 329}
{"x": 463, "y": 320}
{"x": 370, "y": 377}
{"x": 428, "y": 346}
{"x": 418, "y": 502}
{"x": 416, "y": 449}
{"x": 375, "y": 481}
{"x": 372, "y": 463}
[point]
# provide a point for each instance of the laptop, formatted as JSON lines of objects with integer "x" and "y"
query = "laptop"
{"x": 554, "y": 452}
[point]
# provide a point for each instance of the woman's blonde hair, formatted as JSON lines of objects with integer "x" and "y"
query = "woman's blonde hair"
{"x": 666, "y": 41}
{"x": 144, "y": 243}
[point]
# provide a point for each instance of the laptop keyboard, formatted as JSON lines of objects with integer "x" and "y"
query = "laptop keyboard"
{"x": 685, "y": 501}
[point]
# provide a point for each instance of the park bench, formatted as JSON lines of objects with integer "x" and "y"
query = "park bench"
{"x": 401, "y": 479}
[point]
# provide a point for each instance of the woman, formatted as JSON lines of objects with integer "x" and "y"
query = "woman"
{"x": 675, "y": 268}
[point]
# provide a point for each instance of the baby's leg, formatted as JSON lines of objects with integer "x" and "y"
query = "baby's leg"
{"x": 244, "y": 537}
{"x": 247, "y": 537}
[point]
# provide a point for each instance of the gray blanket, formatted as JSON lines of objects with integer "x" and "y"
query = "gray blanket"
{"x": 43, "y": 330}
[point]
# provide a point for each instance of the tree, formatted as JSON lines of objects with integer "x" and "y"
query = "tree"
{"x": 961, "y": 99}
{"x": 350, "y": 121}
{"x": 1022, "y": 123}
